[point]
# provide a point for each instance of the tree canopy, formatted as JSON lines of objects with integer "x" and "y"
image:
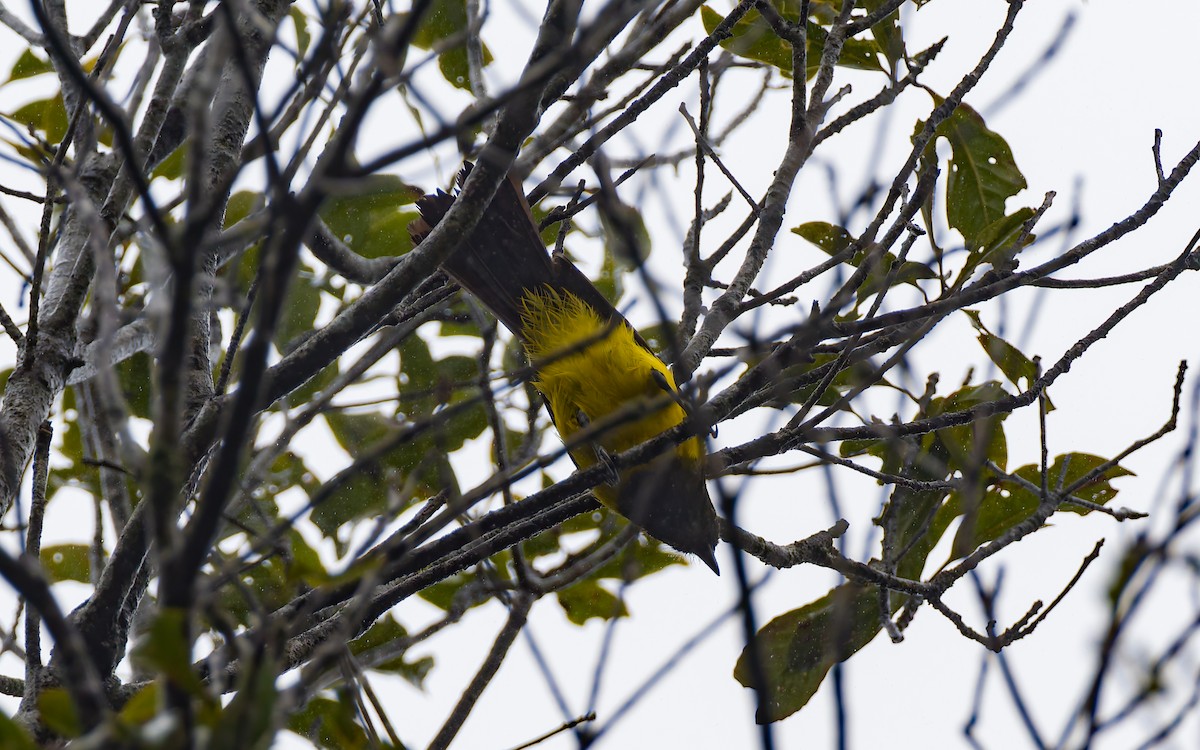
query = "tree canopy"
{"x": 287, "y": 423}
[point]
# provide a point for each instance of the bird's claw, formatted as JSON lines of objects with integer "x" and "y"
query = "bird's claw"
{"x": 611, "y": 475}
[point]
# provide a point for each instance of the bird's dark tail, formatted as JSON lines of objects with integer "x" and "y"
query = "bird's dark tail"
{"x": 504, "y": 259}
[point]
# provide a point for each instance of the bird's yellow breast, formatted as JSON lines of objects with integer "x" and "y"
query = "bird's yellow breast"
{"x": 587, "y": 368}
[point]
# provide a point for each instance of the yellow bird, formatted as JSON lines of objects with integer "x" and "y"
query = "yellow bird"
{"x": 590, "y": 363}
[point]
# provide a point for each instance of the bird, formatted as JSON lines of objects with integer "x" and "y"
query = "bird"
{"x": 589, "y": 364}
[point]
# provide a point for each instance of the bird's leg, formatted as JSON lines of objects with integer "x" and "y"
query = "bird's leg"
{"x": 611, "y": 474}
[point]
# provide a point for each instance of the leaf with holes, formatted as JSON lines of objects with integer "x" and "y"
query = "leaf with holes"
{"x": 1009, "y": 502}
{"x": 983, "y": 173}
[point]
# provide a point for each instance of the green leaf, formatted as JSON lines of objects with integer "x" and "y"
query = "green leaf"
{"x": 141, "y": 707}
{"x": 386, "y": 632}
{"x": 1008, "y": 503}
{"x": 1015, "y": 365}
{"x": 983, "y": 438}
{"x": 305, "y": 564}
{"x": 368, "y": 220}
{"x": 627, "y": 227}
{"x": 417, "y": 376}
{"x": 1072, "y": 467}
{"x": 241, "y": 204}
{"x": 983, "y": 175}
{"x": 366, "y": 493}
{"x": 444, "y": 19}
{"x": 299, "y": 315}
{"x": 13, "y": 736}
{"x": 829, "y": 237}
{"x": 47, "y": 117}
{"x": 997, "y": 242}
{"x": 587, "y": 599}
{"x": 137, "y": 383}
{"x": 268, "y": 581}
{"x": 249, "y": 719}
{"x": 165, "y": 649}
{"x": 57, "y": 711}
{"x": 300, "y": 26}
{"x": 288, "y": 470}
{"x": 456, "y": 378}
{"x": 913, "y": 521}
{"x": 331, "y": 724}
{"x": 33, "y": 155}
{"x": 29, "y": 65}
{"x": 1125, "y": 572}
{"x": 857, "y": 54}
{"x": 67, "y": 562}
{"x": 171, "y": 168}
{"x": 456, "y": 68}
{"x": 796, "y": 384}
{"x": 909, "y": 532}
{"x": 660, "y": 336}
{"x": 443, "y": 593}
{"x": 611, "y": 281}
{"x": 547, "y": 542}
{"x": 643, "y": 557}
{"x": 835, "y": 240}
{"x": 72, "y": 436}
{"x": 754, "y": 39}
{"x": 355, "y": 432}
{"x": 459, "y": 321}
{"x": 797, "y": 649}
{"x": 363, "y": 495}
{"x": 456, "y": 375}
{"x": 314, "y": 385}
{"x": 1000, "y": 508}
{"x": 887, "y": 33}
